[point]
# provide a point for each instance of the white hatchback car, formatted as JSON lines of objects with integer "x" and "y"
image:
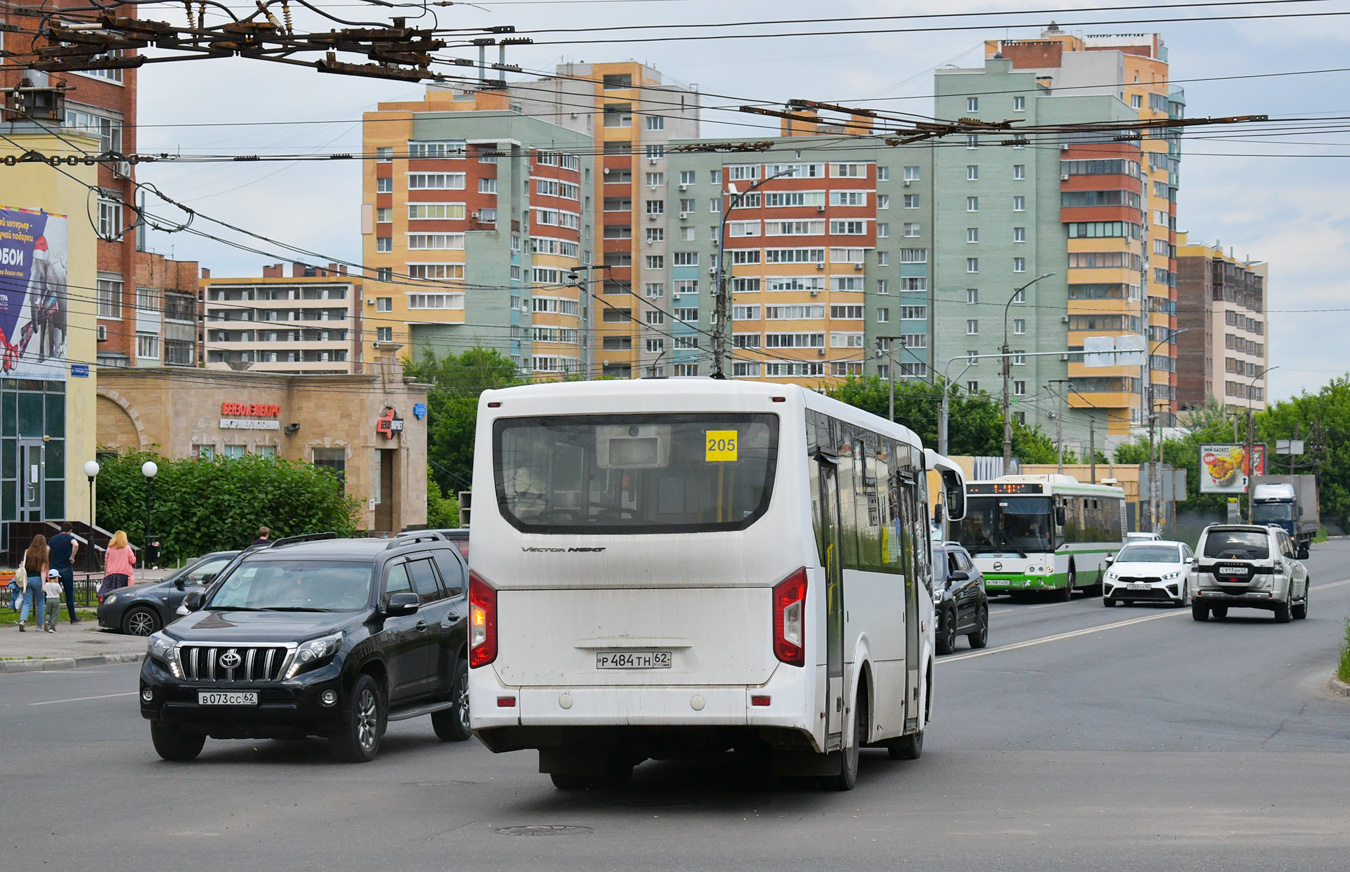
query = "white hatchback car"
{"x": 1150, "y": 571}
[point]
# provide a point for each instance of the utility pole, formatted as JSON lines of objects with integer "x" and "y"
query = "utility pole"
{"x": 1007, "y": 372}
{"x": 1059, "y": 418}
{"x": 1152, "y": 472}
{"x": 1092, "y": 447}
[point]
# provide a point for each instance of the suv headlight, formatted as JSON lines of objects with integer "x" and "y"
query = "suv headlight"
{"x": 160, "y": 647}
{"x": 312, "y": 653}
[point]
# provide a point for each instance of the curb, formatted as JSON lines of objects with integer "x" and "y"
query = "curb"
{"x": 52, "y": 663}
{"x": 1338, "y": 687}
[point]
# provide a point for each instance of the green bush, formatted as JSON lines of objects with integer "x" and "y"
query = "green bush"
{"x": 1343, "y": 669}
{"x": 212, "y": 505}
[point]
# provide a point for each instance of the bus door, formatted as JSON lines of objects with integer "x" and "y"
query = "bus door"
{"x": 827, "y": 526}
{"x": 909, "y": 564}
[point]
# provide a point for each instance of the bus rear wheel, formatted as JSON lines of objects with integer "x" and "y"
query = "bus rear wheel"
{"x": 848, "y": 756}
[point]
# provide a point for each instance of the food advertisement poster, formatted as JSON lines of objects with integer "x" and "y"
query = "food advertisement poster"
{"x": 32, "y": 295}
{"x": 1224, "y": 470}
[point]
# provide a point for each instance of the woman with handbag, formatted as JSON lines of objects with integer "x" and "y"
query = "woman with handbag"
{"x": 117, "y": 565}
{"x": 35, "y": 566}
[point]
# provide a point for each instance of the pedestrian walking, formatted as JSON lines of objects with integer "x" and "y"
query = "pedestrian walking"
{"x": 264, "y": 537}
{"x": 64, "y": 546}
{"x": 117, "y": 565}
{"x": 52, "y": 589}
{"x": 35, "y": 566}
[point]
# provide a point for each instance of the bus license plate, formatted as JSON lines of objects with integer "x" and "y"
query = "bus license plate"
{"x": 632, "y": 660}
{"x": 249, "y": 697}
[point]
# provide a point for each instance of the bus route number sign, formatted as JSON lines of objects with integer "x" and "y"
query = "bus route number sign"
{"x": 721, "y": 446}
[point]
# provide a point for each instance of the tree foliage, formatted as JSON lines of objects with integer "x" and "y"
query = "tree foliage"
{"x": 975, "y": 421}
{"x": 452, "y": 409}
{"x": 212, "y": 505}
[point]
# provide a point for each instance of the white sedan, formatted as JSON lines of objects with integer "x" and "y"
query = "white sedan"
{"x": 1160, "y": 572}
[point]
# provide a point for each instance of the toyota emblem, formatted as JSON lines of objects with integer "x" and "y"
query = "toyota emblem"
{"x": 998, "y": 564}
{"x": 231, "y": 659}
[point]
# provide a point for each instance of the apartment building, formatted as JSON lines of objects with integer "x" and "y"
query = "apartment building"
{"x": 309, "y": 322}
{"x": 1221, "y": 304}
{"x": 826, "y": 260}
{"x": 1055, "y": 241}
{"x": 476, "y": 220}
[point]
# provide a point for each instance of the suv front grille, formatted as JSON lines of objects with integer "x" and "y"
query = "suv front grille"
{"x": 233, "y": 663}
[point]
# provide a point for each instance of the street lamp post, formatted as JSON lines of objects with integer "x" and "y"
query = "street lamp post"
{"x": 1007, "y": 372}
{"x": 1155, "y": 472}
{"x": 889, "y": 354}
{"x": 149, "y": 469}
{"x": 1251, "y": 438}
{"x": 91, "y": 471}
{"x": 720, "y": 307}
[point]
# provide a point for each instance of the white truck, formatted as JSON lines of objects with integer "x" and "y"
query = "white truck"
{"x": 1290, "y": 503}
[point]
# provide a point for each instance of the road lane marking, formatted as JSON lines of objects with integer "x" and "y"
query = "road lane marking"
{"x": 84, "y": 698}
{"x": 1089, "y": 630}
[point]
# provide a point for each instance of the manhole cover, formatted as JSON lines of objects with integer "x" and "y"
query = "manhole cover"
{"x": 545, "y": 830}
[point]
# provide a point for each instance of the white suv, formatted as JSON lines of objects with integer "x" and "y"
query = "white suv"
{"x": 1248, "y": 566}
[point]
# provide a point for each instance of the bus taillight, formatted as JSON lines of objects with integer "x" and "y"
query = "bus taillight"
{"x": 789, "y": 619}
{"x": 482, "y": 622}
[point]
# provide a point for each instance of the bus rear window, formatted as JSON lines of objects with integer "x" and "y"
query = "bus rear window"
{"x": 616, "y": 474}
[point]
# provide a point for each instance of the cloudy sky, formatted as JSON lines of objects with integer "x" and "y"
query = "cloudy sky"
{"x": 1281, "y": 196}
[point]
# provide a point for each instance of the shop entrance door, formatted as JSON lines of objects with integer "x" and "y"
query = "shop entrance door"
{"x": 384, "y": 471}
{"x": 32, "y": 478}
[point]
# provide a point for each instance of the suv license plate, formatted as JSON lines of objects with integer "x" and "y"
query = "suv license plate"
{"x": 1234, "y": 570}
{"x": 632, "y": 660}
{"x": 248, "y": 697}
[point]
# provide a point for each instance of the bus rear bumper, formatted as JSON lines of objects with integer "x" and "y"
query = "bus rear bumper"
{"x": 508, "y": 718}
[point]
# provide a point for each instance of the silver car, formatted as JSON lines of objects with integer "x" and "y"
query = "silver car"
{"x": 1252, "y": 567}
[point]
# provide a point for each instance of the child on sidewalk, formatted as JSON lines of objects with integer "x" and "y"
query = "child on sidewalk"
{"x": 52, "y": 589}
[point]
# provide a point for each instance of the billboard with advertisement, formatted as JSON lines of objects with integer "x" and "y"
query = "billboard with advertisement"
{"x": 1224, "y": 468}
{"x": 33, "y": 302}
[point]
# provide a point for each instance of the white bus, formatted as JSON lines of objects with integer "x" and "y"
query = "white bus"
{"x": 1041, "y": 532}
{"x": 690, "y": 566}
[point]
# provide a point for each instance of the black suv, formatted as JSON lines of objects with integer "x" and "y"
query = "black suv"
{"x": 960, "y": 600}
{"x": 315, "y": 636}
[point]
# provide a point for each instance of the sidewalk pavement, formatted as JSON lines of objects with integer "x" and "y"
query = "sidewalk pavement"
{"x": 72, "y": 645}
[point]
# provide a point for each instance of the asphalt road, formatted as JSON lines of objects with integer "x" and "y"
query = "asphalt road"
{"x": 1082, "y": 739}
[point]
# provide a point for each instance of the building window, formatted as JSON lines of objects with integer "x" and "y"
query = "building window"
{"x": 147, "y": 346}
{"x": 656, "y": 122}
{"x": 883, "y": 201}
{"x": 972, "y": 104}
{"x": 911, "y": 201}
{"x": 1019, "y": 204}
{"x": 973, "y": 173}
{"x": 1136, "y": 101}
{"x": 1019, "y": 104}
{"x": 912, "y": 228}
{"x": 1019, "y": 171}
{"x": 883, "y": 230}
{"x": 656, "y": 234}
{"x": 384, "y": 334}
{"x": 973, "y": 358}
{"x": 266, "y": 451}
{"x": 883, "y": 286}
{"x": 334, "y": 460}
{"x": 384, "y": 154}
{"x": 232, "y": 452}
{"x": 972, "y": 327}
{"x": 883, "y": 258}
{"x": 883, "y": 315}
{"x": 972, "y": 264}
{"x": 109, "y": 298}
{"x": 972, "y": 141}
{"x": 972, "y": 204}
{"x": 1019, "y": 264}
{"x": 1019, "y": 357}
{"x": 384, "y": 186}
{"x": 109, "y": 217}
{"x": 1019, "y": 326}
{"x": 384, "y": 244}
{"x": 972, "y": 295}
{"x": 1019, "y": 234}
{"x": 972, "y": 234}
{"x": 911, "y": 174}
{"x": 972, "y": 387}
{"x": 883, "y": 174}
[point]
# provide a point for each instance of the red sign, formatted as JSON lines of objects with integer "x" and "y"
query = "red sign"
{"x": 249, "y": 410}
{"x": 388, "y": 424}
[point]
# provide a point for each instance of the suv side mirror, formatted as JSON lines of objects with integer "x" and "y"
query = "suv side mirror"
{"x": 179, "y": 582}
{"x": 958, "y": 575}
{"x": 402, "y": 603}
{"x": 193, "y": 601}
{"x": 1303, "y": 554}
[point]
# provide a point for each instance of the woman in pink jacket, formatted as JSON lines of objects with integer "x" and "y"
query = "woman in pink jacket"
{"x": 117, "y": 566}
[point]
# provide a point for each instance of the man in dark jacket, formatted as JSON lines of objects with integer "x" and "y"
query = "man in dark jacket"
{"x": 64, "y": 546}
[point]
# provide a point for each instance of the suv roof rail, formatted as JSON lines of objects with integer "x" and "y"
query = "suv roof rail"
{"x": 308, "y": 537}
{"x": 403, "y": 539}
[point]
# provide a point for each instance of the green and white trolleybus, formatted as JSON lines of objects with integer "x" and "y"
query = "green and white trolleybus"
{"x": 1041, "y": 532}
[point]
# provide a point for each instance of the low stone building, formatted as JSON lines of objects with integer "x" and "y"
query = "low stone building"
{"x": 370, "y": 430}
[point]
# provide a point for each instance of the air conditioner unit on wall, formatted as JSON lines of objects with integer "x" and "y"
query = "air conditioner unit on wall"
{"x": 1064, "y": 357}
{"x": 103, "y": 333}
{"x": 1064, "y": 177}
{"x": 1064, "y": 319}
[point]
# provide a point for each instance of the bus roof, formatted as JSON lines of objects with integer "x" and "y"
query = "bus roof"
{"x": 1056, "y": 483}
{"x": 651, "y": 394}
